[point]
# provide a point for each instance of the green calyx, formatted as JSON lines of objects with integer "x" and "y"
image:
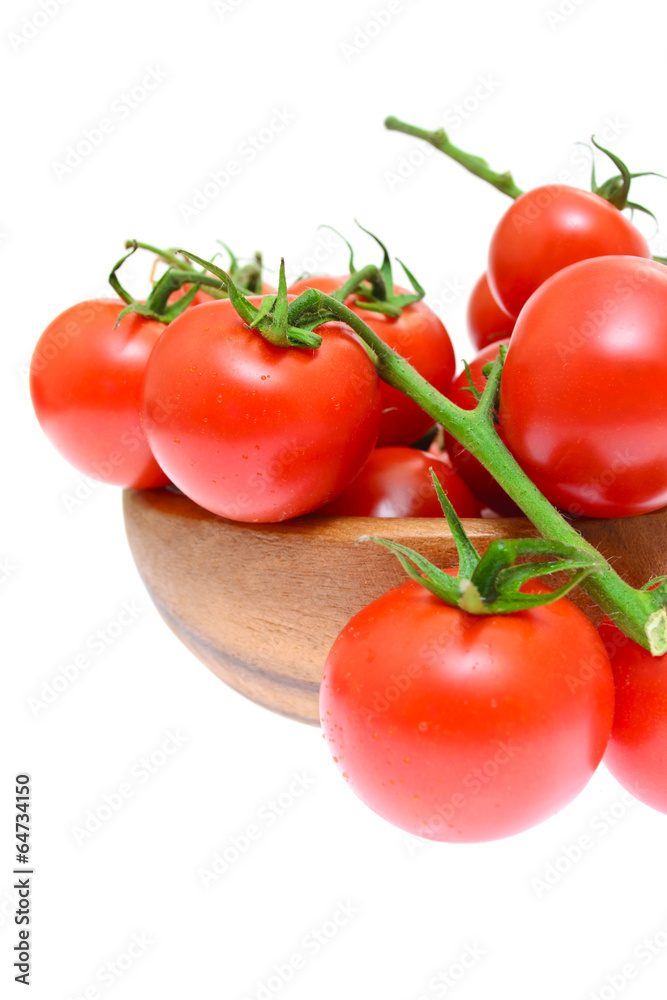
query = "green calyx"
{"x": 375, "y": 285}
{"x": 271, "y": 317}
{"x": 179, "y": 273}
{"x": 616, "y": 189}
{"x": 491, "y": 584}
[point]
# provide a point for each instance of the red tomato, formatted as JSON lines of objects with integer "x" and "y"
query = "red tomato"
{"x": 85, "y": 383}
{"x": 396, "y": 482}
{"x": 637, "y": 751}
{"x": 547, "y": 229}
{"x": 487, "y": 322}
{"x": 255, "y": 432}
{"x": 583, "y": 398}
{"x": 464, "y": 728}
{"x": 481, "y": 482}
{"x": 417, "y": 335}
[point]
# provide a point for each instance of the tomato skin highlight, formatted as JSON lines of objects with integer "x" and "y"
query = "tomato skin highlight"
{"x": 255, "y": 432}
{"x": 85, "y": 384}
{"x": 480, "y": 481}
{"x": 487, "y": 321}
{"x": 549, "y": 228}
{"x": 396, "y": 482}
{"x": 462, "y": 728}
{"x": 637, "y": 751}
{"x": 417, "y": 335}
{"x": 583, "y": 397}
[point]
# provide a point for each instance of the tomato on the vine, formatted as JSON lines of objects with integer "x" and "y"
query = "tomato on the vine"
{"x": 459, "y": 727}
{"x": 480, "y": 481}
{"x": 583, "y": 397}
{"x": 85, "y": 382}
{"x": 396, "y": 482}
{"x": 487, "y": 321}
{"x": 253, "y": 431}
{"x": 549, "y": 228}
{"x": 637, "y": 751}
{"x": 417, "y": 335}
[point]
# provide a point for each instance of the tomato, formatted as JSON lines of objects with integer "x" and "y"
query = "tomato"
{"x": 487, "y": 321}
{"x": 464, "y": 728}
{"x": 417, "y": 335}
{"x": 637, "y": 751}
{"x": 396, "y": 482}
{"x": 85, "y": 384}
{"x": 256, "y": 432}
{"x": 481, "y": 482}
{"x": 547, "y": 229}
{"x": 583, "y": 398}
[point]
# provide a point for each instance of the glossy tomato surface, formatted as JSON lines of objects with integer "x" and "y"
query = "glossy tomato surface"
{"x": 480, "y": 481}
{"x": 417, "y": 335}
{"x": 463, "y": 728}
{"x": 549, "y": 228}
{"x": 85, "y": 384}
{"x": 487, "y": 321}
{"x": 396, "y": 482}
{"x": 583, "y": 398}
{"x": 637, "y": 751}
{"x": 255, "y": 432}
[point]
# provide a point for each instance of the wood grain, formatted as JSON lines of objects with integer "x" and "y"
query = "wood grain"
{"x": 261, "y": 605}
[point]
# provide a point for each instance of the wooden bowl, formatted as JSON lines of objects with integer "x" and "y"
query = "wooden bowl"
{"x": 261, "y": 605}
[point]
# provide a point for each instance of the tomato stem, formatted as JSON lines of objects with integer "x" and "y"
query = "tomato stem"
{"x": 639, "y": 614}
{"x": 475, "y": 164}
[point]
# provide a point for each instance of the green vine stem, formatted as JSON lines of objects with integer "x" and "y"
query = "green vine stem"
{"x": 639, "y": 614}
{"x": 475, "y": 164}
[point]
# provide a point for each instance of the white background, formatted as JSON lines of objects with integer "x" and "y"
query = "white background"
{"x": 549, "y": 82}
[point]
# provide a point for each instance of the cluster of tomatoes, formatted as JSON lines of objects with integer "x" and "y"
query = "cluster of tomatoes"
{"x": 453, "y": 725}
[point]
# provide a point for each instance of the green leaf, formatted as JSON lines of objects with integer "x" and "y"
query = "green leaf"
{"x": 468, "y": 555}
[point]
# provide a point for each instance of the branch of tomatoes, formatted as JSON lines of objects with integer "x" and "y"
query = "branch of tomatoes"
{"x": 640, "y": 614}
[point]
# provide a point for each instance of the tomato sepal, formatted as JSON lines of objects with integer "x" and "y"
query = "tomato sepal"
{"x": 491, "y": 584}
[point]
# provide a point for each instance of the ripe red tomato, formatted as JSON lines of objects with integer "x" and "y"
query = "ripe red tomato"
{"x": 547, "y": 229}
{"x": 85, "y": 384}
{"x": 487, "y": 321}
{"x": 396, "y": 482}
{"x": 637, "y": 751}
{"x": 256, "y": 432}
{"x": 481, "y": 482}
{"x": 417, "y": 335}
{"x": 583, "y": 398}
{"x": 464, "y": 728}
